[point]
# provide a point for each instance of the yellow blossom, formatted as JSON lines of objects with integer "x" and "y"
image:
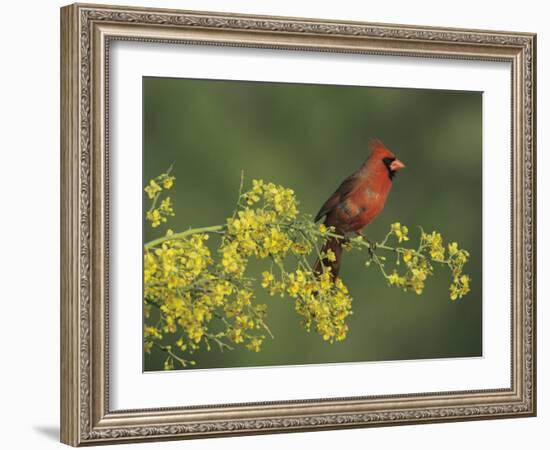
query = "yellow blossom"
{"x": 435, "y": 243}
{"x": 453, "y": 248}
{"x": 152, "y": 189}
{"x": 236, "y": 335}
{"x": 166, "y": 206}
{"x": 168, "y": 182}
{"x": 400, "y": 231}
{"x": 152, "y": 332}
{"x": 154, "y": 217}
{"x": 330, "y": 255}
{"x": 267, "y": 279}
{"x": 255, "y": 344}
{"x": 232, "y": 260}
{"x": 394, "y": 278}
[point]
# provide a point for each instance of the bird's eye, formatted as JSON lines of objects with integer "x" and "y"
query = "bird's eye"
{"x": 387, "y": 160}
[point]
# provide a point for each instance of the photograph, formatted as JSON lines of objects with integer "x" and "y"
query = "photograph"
{"x": 292, "y": 224}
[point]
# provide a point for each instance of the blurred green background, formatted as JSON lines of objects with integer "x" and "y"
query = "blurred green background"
{"x": 309, "y": 138}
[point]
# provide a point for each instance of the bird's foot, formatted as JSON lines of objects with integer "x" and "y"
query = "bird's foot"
{"x": 371, "y": 246}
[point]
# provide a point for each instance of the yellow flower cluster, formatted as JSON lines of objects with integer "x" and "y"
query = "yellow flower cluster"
{"x": 418, "y": 262}
{"x": 150, "y": 334}
{"x": 176, "y": 263}
{"x": 264, "y": 226}
{"x": 170, "y": 272}
{"x": 461, "y": 282}
{"x": 418, "y": 269}
{"x": 277, "y": 198}
{"x": 181, "y": 281}
{"x": 319, "y": 299}
{"x": 257, "y": 233}
{"x": 188, "y": 286}
{"x": 153, "y": 190}
{"x": 157, "y": 184}
{"x": 160, "y": 215}
{"x": 435, "y": 243}
{"x": 401, "y": 232}
{"x": 459, "y": 287}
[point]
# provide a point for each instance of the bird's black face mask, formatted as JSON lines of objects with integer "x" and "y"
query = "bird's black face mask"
{"x": 387, "y": 162}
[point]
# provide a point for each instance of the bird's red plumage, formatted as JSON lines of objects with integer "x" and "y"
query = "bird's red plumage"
{"x": 359, "y": 199}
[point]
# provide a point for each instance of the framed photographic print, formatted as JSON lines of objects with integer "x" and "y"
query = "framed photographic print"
{"x": 275, "y": 224}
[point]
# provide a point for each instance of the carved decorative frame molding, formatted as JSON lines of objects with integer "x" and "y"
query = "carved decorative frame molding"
{"x": 86, "y": 32}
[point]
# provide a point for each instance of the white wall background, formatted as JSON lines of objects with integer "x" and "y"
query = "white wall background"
{"x": 29, "y": 222}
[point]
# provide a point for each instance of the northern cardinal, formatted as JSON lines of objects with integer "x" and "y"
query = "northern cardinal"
{"x": 358, "y": 200}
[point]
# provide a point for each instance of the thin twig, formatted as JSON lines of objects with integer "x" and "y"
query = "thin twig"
{"x": 165, "y": 349}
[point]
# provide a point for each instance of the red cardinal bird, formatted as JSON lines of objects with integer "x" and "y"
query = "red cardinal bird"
{"x": 358, "y": 200}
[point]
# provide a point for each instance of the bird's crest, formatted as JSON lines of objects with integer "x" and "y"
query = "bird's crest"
{"x": 378, "y": 147}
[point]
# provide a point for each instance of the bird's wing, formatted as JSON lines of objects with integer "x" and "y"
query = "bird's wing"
{"x": 330, "y": 204}
{"x": 339, "y": 195}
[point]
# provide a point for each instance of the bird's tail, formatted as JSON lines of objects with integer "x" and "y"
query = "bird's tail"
{"x": 335, "y": 245}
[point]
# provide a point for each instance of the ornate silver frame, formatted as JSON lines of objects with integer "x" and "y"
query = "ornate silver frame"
{"x": 86, "y": 31}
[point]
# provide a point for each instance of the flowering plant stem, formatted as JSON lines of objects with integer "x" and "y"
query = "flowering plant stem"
{"x": 198, "y": 295}
{"x": 183, "y": 235}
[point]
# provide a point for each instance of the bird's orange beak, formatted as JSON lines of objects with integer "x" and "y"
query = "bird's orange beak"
{"x": 396, "y": 165}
